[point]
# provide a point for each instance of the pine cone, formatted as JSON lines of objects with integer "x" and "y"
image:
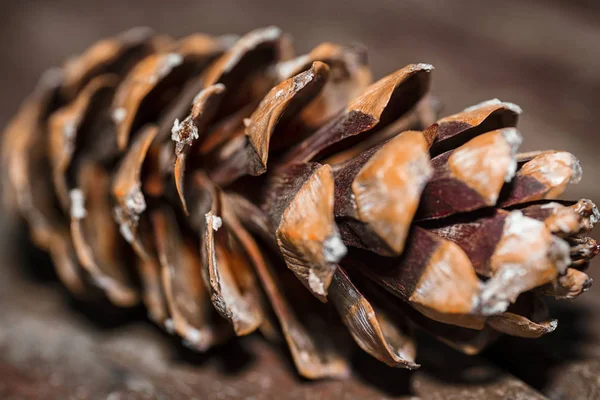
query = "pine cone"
{"x": 391, "y": 219}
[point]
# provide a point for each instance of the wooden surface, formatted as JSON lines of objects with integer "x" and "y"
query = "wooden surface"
{"x": 53, "y": 347}
{"x": 542, "y": 55}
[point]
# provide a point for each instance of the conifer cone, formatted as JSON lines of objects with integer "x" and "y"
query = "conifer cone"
{"x": 232, "y": 186}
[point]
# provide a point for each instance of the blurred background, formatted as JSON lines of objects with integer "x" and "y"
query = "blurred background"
{"x": 542, "y": 55}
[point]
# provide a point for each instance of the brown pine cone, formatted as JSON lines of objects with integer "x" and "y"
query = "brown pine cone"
{"x": 188, "y": 174}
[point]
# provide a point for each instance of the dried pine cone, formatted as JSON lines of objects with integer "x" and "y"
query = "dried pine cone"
{"x": 388, "y": 217}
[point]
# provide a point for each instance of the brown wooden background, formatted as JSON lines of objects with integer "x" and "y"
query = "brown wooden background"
{"x": 542, "y": 55}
